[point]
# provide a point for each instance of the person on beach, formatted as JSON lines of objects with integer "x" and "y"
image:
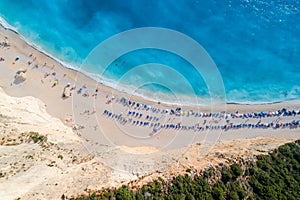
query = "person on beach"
{"x": 73, "y": 87}
{"x": 46, "y": 74}
{"x": 86, "y": 93}
{"x": 94, "y": 111}
{"x": 95, "y": 95}
{"x": 55, "y": 83}
{"x": 108, "y": 101}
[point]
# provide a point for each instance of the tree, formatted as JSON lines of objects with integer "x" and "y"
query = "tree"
{"x": 236, "y": 170}
{"x": 226, "y": 174}
{"x": 124, "y": 193}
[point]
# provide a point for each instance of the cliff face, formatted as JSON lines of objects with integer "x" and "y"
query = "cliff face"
{"x": 39, "y": 155}
{"x": 272, "y": 176}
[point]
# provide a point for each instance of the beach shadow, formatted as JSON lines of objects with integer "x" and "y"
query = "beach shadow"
{"x": 20, "y": 76}
{"x": 64, "y": 97}
{"x": 18, "y": 81}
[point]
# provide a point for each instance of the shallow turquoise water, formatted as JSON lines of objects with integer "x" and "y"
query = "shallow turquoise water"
{"x": 254, "y": 43}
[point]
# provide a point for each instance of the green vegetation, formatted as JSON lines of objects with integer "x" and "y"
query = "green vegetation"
{"x": 36, "y": 138}
{"x": 273, "y": 176}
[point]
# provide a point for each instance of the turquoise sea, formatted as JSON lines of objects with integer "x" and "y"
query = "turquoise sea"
{"x": 254, "y": 43}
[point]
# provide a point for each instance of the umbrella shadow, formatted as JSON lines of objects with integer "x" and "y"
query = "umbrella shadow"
{"x": 18, "y": 81}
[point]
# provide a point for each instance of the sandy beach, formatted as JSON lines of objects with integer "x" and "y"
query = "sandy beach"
{"x": 103, "y": 141}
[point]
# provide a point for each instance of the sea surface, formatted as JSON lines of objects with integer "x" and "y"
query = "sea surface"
{"x": 255, "y": 44}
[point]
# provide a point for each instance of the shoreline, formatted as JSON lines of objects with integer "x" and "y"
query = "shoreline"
{"x": 5, "y": 25}
{"x": 109, "y": 83}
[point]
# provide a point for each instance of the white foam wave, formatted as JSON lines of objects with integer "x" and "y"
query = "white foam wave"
{"x": 6, "y": 25}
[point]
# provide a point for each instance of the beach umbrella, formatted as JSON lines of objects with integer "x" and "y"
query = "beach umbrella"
{"x": 67, "y": 92}
{"x": 21, "y": 70}
{"x": 21, "y": 76}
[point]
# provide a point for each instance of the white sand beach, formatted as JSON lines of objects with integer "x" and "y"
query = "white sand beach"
{"x": 91, "y": 141}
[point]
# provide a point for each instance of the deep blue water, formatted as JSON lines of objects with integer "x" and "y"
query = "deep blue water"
{"x": 254, "y": 43}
